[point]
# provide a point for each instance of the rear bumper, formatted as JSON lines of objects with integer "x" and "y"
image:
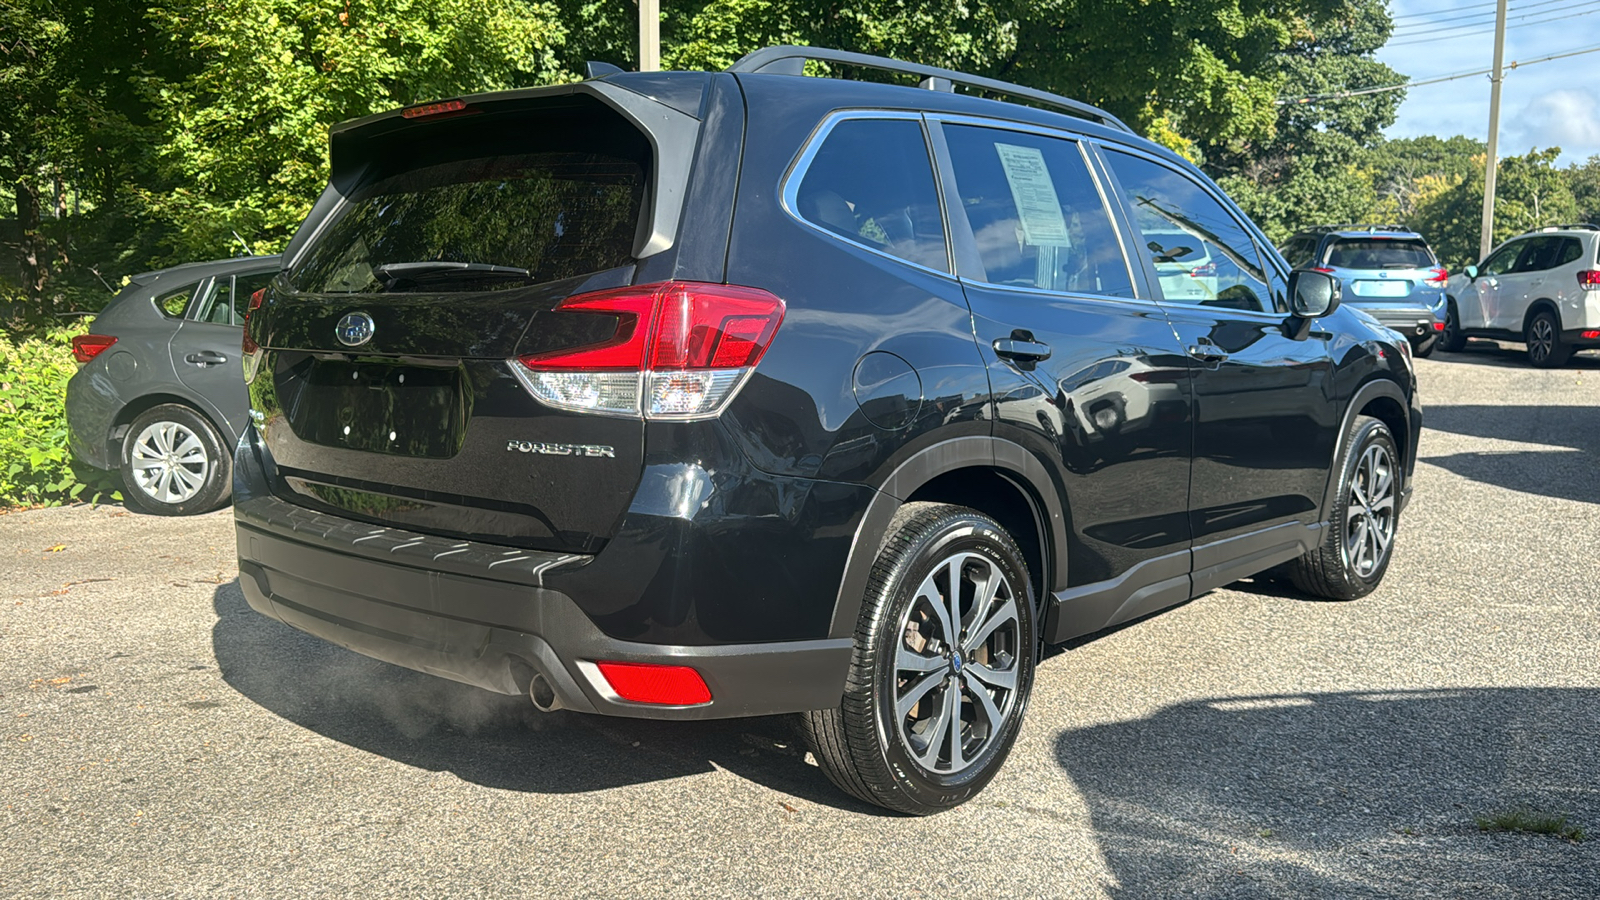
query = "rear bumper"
{"x": 482, "y": 614}
{"x": 92, "y": 405}
{"x": 1416, "y": 323}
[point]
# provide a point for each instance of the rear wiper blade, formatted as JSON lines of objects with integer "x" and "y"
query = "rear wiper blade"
{"x": 390, "y": 271}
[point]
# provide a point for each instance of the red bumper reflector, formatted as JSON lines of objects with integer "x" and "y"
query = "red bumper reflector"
{"x": 1438, "y": 326}
{"x": 646, "y": 683}
{"x": 1591, "y": 335}
{"x": 87, "y": 346}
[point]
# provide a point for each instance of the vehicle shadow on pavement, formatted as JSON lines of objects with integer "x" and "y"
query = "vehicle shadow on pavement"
{"x": 1489, "y": 353}
{"x": 1566, "y": 473}
{"x": 1344, "y": 794}
{"x": 487, "y": 738}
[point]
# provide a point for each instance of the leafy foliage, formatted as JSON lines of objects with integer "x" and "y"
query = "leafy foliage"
{"x": 36, "y": 468}
{"x": 1529, "y": 192}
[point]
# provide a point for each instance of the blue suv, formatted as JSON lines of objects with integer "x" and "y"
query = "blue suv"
{"x": 1388, "y": 271}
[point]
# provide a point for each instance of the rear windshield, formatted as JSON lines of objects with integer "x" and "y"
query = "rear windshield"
{"x": 1380, "y": 253}
{"x": 480, "y": 225}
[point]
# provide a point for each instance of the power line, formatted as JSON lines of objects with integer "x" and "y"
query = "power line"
{"x": 1341, "y": 95}
{"x": 1520, "y": 12}
{"x": 1440, "y": 12}
{"x": 1424, "y": 40}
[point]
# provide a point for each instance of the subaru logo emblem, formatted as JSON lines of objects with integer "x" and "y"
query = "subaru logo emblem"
{"x": 955, "y": 662}
{"x": 354, "y": 329}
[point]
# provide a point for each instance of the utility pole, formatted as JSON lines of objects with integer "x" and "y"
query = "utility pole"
{"x": 650, "y": 34}
{"x": 1490, "y": 167}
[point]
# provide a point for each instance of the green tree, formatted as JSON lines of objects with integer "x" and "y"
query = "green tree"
{"x": 1409, "y": 171}
{"x": 245, "y": 136}
{"x": 1584, "y": 179}
{"x": 1530, "y": 192}
{"x": 1307, "y": 170}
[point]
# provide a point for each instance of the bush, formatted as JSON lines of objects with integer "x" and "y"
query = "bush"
{"x": 36, "y": 467}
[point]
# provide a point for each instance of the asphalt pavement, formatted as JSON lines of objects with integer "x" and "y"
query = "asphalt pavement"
{"x": 158, "y": 738}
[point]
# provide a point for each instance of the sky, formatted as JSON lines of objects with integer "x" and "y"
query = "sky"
{"x": 1546, "y": 104}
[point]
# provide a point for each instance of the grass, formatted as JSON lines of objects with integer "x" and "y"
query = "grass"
{"x": 1521, "y": 819}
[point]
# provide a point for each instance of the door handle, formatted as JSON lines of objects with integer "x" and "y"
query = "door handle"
{"x": 1024, "y": 351}
{"x": 1207, "y": 352}
{"x": 205, "y": 359}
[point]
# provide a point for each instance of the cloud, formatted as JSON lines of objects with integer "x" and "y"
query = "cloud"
{"x": 1568, "y": 118}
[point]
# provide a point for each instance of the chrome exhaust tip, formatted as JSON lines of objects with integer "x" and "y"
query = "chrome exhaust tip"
{"x": 543, "y": 694}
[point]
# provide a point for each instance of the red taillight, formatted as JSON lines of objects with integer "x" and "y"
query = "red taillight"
{"x": 663, "y": 685}
{"x": 87, "y": 346}
{"x": 678, "y": 350}
{"x": 1438, "y": 277}
{"x": 429, "y": 110}
{"x": 1589, "y": 279}
{"x": 247, "y": 343}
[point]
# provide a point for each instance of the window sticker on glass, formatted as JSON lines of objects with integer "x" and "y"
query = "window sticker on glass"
{"x": 1038, "y": 206}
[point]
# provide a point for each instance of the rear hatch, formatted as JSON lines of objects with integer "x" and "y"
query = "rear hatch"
{"x": 1386, "y": 270}
{"x": 385, "y": 388}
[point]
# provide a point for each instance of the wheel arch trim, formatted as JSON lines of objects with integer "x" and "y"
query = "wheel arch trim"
{"x": 1376, "y": 388}
{"x": 1009, "y": 460}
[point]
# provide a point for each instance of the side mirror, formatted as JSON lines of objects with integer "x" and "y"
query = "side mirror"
{"x": 1471, "y": 273}
{"x": 1313, "y": 295}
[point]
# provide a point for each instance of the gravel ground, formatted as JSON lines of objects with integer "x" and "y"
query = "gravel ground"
{"x": 158, "y": 738}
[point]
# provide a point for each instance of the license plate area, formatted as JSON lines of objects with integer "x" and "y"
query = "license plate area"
{"x": 377, "y": 407}
{"x": 1382, "y": 288}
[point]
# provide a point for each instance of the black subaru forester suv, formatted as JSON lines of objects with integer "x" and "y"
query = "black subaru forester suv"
{"x": 690, "y": 395}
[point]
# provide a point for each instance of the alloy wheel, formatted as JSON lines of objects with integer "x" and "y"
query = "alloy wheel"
{"x": 169, "y": 462}
{"x": 957, "y": 663}
{"x": 1370, "y": 520}
{"x": 1541, "y": 339}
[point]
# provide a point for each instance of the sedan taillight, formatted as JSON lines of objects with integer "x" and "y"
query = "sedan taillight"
{"x": 679, "y": 350}
{"x": 87, "y": 346}
{"x": 248, "y": 343}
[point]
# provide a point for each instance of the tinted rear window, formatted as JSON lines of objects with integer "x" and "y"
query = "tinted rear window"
{"x": 479, "y": 225}
{"x": 1380, "y": 253}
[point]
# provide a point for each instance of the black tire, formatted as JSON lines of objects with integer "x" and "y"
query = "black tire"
{"x": 174, "y": 463}
{"x": 869, "y": 749}
{"x": 1335, "y": 570}
{"x": 1451, "y": 340}
{"x": 1543, "y": 339}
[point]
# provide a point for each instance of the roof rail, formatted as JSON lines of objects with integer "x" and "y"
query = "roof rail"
{"x": 791, "y": 60}
{"x": 1571, "y": 226}
{"x": 1361, "y": 227}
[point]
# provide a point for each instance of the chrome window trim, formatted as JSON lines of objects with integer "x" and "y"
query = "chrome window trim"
{"x": 789, "y": 188}
{"x": 1100, "y": 189}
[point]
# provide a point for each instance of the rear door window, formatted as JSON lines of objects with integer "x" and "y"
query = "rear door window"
{"x": 1534, "y": 256}
{"x": 480, "y": 225}
{"x": 173, "y": 303}
{"x": 1036, "y": 214}
{"x": 1379, "y": 253}
{"x": 871, "y": 183}
{"x": 217, "y": 308}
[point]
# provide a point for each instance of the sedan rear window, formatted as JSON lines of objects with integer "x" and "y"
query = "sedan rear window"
{"x": 1380, "y": 253}
{"x": 480, "y": 225}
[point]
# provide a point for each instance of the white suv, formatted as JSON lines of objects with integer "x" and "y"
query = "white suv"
{"x": 1541, "y": 288}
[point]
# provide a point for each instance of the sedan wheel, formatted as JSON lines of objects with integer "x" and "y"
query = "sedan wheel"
{"x": 174, "y": 463}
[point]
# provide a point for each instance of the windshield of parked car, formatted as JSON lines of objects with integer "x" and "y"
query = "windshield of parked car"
{"x": 1380, "y": 253}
